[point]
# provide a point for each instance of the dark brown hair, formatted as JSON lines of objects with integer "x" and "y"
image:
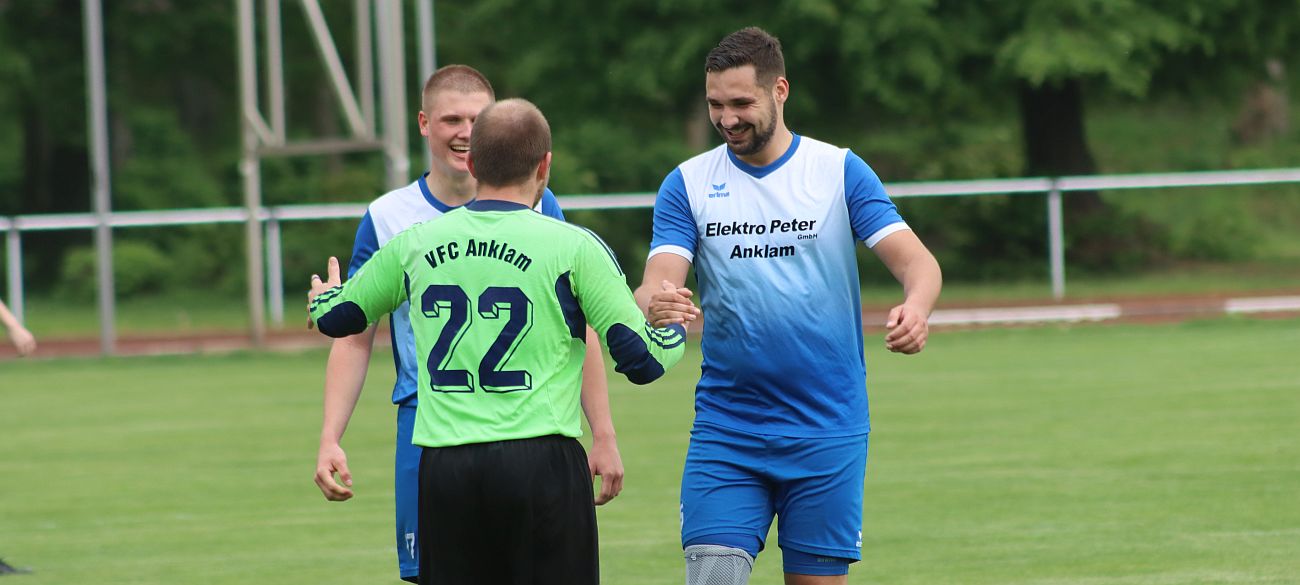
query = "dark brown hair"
{"x": 748, "y": 46}
{"x": 462, "y": 78}
{"x": 510, "y": 139}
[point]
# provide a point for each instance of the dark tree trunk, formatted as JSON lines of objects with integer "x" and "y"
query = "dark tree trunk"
{"x": 1051, "y": 118}
{"x": 1056, "y": 144}
{"x": 36, "y": 162}
{"x": 55, "y": 180}
{"x": 56, "y": 177}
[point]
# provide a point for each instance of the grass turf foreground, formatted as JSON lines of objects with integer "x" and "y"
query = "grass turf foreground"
{"x": 1090, "y": 454}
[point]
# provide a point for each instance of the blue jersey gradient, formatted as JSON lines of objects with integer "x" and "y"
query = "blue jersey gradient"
{"x": 774, "y": 255}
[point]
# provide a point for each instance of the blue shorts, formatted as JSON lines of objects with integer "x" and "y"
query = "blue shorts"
{"x": 735, "y": 482}
{"x": 406, "y": 492}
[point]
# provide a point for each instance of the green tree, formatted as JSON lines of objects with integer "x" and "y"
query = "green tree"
{"x": 173, "y": 109}
{"x": 629, "y": 72}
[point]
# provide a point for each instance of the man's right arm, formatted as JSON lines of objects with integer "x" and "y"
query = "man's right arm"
{"x": 672, "y": 248}
{"x": 640, "y": 351}
{"x": 662, "y": 296}
{"x": 345, "y": 375}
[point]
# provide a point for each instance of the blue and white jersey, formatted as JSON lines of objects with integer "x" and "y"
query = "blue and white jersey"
{"x": 774, "y": 255}
{"x": 386, "y": 217}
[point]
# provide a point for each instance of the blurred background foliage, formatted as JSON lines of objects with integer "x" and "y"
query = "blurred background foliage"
{"x": 922, "y": 89}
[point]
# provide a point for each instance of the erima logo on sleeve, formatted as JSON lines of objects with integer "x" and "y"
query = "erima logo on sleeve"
{"x": 718, "y": 191}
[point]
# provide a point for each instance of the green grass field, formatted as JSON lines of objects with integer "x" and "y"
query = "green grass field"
{"x": 1097, "y": 455}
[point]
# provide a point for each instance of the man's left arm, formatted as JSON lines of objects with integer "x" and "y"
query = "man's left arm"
{"x": 915, "y": 268}
{"x": 604, "y": 459}
{"x": 876, "y": 222}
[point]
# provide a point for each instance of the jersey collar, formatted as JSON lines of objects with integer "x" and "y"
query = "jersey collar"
{"x": 428, "y": 196}
{"x": 495, "y": 205}
{"x": 760, "y": 172}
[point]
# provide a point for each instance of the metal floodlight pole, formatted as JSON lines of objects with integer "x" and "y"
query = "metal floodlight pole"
{"x": 250, "y": 170}
{"x": 428, "y": 56}
{"x": 392, "y": 91}
{"x": 262, "y": 139}
{"x": 98, "y": 118}
{"x": 428, "y": 49}
{"x": 365, "y": 63}
{"x": 334, "y": 67}
{"x": 275, "y": 69}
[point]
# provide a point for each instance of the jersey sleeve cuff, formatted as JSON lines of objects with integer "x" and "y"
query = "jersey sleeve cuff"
{"x": 881, "y": 233}
{"x": 672, "y": 249}
{"x": 342, "y": 320}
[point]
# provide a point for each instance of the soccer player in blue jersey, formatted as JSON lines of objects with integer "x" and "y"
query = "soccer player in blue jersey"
{"x": 450, "y": 102}
{"x": 781, "y": 407}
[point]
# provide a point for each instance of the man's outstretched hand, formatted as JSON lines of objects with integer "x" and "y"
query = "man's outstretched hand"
{"x": 318, "y": 286}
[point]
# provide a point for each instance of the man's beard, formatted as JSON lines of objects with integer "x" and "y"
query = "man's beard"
{"x": 761, "y": 136}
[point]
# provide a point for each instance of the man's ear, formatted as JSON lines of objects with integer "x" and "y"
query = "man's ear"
{"x": 469, "y": 162}
{"x": 423, "y": 120}
{"x": 781, "y": 90}
{"x": 543, "y": 169}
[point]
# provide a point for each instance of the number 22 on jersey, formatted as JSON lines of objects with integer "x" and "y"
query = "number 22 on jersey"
{"x": 446, "y": 301}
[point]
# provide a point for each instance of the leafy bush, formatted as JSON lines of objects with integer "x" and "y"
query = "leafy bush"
{"x": 164, "y": 169}
{"x": 139, "y": 268}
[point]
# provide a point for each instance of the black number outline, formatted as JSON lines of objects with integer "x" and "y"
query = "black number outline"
{"x": 491, "y": 377}
{"x": 451, "y": 298}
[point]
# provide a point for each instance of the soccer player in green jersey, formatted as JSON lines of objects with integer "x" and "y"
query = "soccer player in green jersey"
{"x": 450, "y": 102}
{"x": 500, "y": 299}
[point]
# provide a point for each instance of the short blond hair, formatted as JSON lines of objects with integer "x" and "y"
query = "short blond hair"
{"x": 462, "y": 78}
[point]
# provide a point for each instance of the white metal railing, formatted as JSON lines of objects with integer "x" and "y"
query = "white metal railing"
{"x": 271, "y": 217}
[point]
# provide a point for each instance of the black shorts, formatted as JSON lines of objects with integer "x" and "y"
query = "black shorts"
{"x": 507, "y": 513}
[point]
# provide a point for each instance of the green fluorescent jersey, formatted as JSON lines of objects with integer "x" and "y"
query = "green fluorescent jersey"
{"x": 500, "y": 299}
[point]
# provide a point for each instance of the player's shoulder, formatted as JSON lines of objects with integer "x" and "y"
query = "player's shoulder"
{"x": 561, "y": 238}
{"x": 550, "y": 225}
{"x": 562, "y": 233}
{"x": 813, "y": 148}
{"x": 410, "y": 234}
{"x": 704, "y": 161}
{"x": 712, "y": 154}
{"x": 397, "y": 203}
{"x": 590, "y": 244}
{"x": 421, "y": 227}
{"x": 828, "y": 162}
